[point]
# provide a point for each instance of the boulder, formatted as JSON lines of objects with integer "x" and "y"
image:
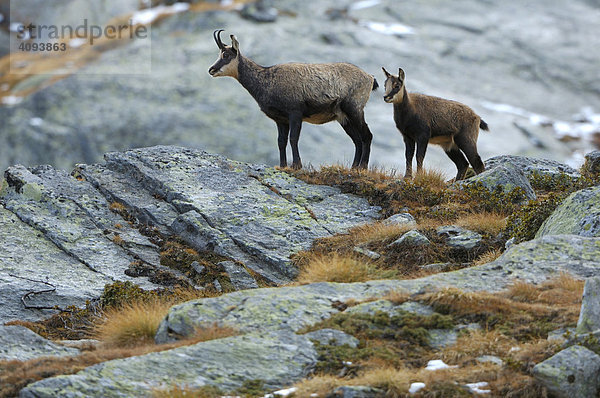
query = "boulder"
{"x": 238, "y": 275}
{"x": 21, "y": 344}
{"x": 441, "y": 338}
{"x": 531, "y": 166}
{"x": 458, "y": 237}
{"x": 505, "y": 177}
{"x": 401, "y": 219}
{"x": 592, "y": 162}
{"x": 333, "y": 337}
{"x": 578, "y": 214}
{"x": 572, "y": 373}
{"x": 277, "y": 359}
{"x": 589, "y": 316}
{"x": 412, "y": 238}
{"x": 373, "y": 307}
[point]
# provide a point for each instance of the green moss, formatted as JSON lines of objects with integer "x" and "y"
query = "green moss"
{"x": 524, "y": 223}
{"x": 119, "y": 293}
{"x": 252, "y": 388}
{"x": 495, "y": 200}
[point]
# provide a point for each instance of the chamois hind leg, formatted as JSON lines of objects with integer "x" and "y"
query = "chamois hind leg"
{"x": 459, "y": 160}
{"x": 409, "y": 153}
{"x": 468, "y": 145}
{"x": 295, "y": 126}
{"x": 366, "y": 138}
{"x": 422, "y": 142}
{"x": 355, "y": 136}
{"x": 283, "y": 130}
{"x": 356, "y": 118}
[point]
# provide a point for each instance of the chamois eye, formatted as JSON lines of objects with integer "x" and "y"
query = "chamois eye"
{"x": 225, "y": 55}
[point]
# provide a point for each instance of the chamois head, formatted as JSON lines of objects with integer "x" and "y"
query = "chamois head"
{"x": 393, "y": 86}
{"x": 227, "y": 63}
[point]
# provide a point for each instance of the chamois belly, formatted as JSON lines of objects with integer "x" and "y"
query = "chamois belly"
{"x": 445, "y": 141}
{"x": 320, "y": 118}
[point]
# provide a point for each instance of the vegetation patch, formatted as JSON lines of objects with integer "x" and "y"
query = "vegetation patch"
{"x": 393, "y": 351}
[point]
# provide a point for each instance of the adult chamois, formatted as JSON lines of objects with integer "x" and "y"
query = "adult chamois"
{"x": 294, "y": 93}
{"x": 423, "y": 119}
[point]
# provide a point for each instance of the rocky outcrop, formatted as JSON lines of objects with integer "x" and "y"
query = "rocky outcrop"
{"x": 531, "y": 166}
{"x": 503, "y": 177}
{"x": 79, "y": 232}
{"x": 20, "y": 343}
{"x": 458, "y": 237}
{"x": 275, "y": 358}
{"x": 578, "y": 214}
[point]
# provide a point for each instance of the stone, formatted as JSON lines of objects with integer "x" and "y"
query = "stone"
{"x": 401, "y": 219}
{"x": 413, "y": 238}
{"x": 21, "y": 344}
{"x": 278, "y": 359}
{"x": 503, "y": 177}
{"x": 441, "y": 338}
{"x": 367, "y": 253}
{"x": 572, "y": 373}
{"x": 333, "y": 337}
{"x": 578, "y": 214}
{"x": 437, "y": 267}
{"x": 589, "y": 316}
{"x": 592, "y": 162}
{"x": 373, "y": 307}
{"x": 238, "y": 275}
{"x": 260, "y": 11}
{"x": 561, "y": 335}
{"x": 530, "y": 166}
{"x": 458, "y": 237}
{"x": 490, "y": 359}
{"x": 357, "y": 392}
{"x": 197, "y": 267}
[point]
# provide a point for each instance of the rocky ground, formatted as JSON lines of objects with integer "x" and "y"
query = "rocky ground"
{"x": 167, "y": 216}
{"x": 532, "y": 64}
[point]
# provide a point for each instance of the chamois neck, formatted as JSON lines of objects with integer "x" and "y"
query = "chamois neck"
{"x": 248, "y": 74}
{"x": 404, "y": 100}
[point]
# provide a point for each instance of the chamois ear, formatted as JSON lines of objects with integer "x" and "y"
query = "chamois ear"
{"x": 234, "y": 43}
{"x": 387, "y": 74}
{"x": 401, "y": 74}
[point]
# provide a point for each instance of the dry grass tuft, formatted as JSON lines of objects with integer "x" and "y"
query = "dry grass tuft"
{"x": 484, "y": 222}
{"x": 340, "y": 268}
{"x": 564, "y": 290}
{"x": 476, "y": 343}
{"x": 432, "y": 178}
{"x": 487, "y": 257}
{"x": 133, "y": 324}
{"x": 396, "y": 296}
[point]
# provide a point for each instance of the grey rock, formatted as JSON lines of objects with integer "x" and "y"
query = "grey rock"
{"x": 366, "y": 252}
{"x": 21, "y": 344}
{"x": 401, "y": 219}
{"x": 561, "y": 335}
{"x": 197, "y": 267}
{"x": 333, "y": 337}
{"x": 292, "y": 308}
{"x": 490, "y": 359}
{"x": 261, "y": 11}
{"x": 572, "y": 373}
{"x": 372, "y": 307}
{"x": 277, "y": 359}
{"x": 217, "y": 286}
{"x": 592, "y": 162}
{"x": 437, "y": 267}
{"x": 578, "y": 214}
{"x": 416, "y": 308}
{"x": 441, "y": 338}
{"x": 357, "y": 392}
{"x": 589, "y": 316}
{"x": 503, "y": 177}
{"x": 238, "y": 275}
{"x": 530, "y": 166}
{"x": 459, "y": 237}
{"x": 412, "y": 238}
{"x": 510, "y": 242}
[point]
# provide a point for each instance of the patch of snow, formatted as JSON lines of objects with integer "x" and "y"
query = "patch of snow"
{"x": 36, "y": 121}
{"x": 437, "y": 364}
{"x": 281, "y": 393}
{"x": 514, "y": 349}
{"x": 476, "y": 388}
{"x": 395, "y": 29}
{"x": 416, "y": 387}
{"x": 347, "y": 363}
{"x": 359, "y": 5}
{"x": 11, "y": 100}
{"x": 577, "y": 159}
{"x": 77, "y": 42}
{"x": 148, "y": 15}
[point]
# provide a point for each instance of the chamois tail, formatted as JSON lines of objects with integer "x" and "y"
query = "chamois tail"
{"x": 483, "y": 125}
{"x": 375, "y": 85}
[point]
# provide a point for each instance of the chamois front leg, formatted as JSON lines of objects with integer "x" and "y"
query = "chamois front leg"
{"x": 283, "y": 130}
{"x": 295, "y": 126}
{"x": 409, "y": 145}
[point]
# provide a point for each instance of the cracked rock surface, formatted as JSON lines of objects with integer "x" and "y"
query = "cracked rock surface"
{"x": 61, "y": 228}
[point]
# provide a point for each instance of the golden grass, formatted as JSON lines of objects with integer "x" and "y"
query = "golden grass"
{"x": 487, "y": 257}
{"x": 340, "y": 268}
{"x": 484, "y": 222}
{"x": 396, "y": 296}
{"x": 134, "y": 324}
{"x": 476, "y": 343}
{"x": 564, "y": 290}
{"x": 432, "y": 178}
{"x": 186, "y": 392}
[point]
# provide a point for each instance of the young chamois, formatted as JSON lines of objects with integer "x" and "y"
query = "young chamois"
{"x": 423, "y": 119}
{"x": 294, "y": 93}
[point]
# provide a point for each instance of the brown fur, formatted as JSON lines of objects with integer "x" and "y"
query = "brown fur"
{"x": 424, "y": 119}
{"x": 293, "y": 93}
